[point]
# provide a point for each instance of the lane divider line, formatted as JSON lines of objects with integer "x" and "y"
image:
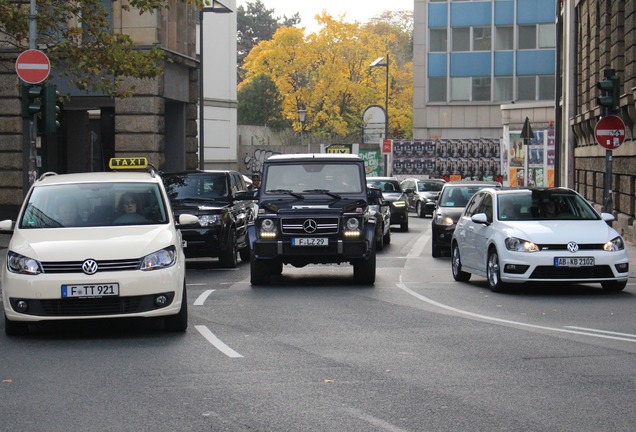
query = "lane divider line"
{"x": 218, "y": 343}
{"x": 203, "y": 297}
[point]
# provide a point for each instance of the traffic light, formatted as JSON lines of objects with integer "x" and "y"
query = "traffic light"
{"x": 52, "y": 110}
{"x": 31, "y": 100}
{"x": 609, "y": 101}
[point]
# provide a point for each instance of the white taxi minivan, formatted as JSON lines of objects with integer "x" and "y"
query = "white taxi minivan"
{"x": 95, "y": 245}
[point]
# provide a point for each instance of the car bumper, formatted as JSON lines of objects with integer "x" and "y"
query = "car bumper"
{"x": 442, "y": 235}
{"x": 399, "y": 215}
{"x": 203, "y": 242}
{"x": 521, "y": 267}
{"x": 337, "y": 251}
{"x": 137, "y": 293}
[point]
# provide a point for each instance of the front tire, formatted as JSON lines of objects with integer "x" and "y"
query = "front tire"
{"x": 229, "y": 256}
{"x": 379, "y": 241}
{"x": 387, "y": 237}
{"x": 419, "y": 209}
{"x": 15, "y": 328}
{"x": 436, "y": 251}
{"x": 179, "y": 322}
{"x": 364, "y": 270}
{"x": 260, "y": 272}
{"x": 404, "y": 226}
{"x": 614, "y": 286}
{"x": 493, "y": 272}
{"x": 456, "y": 266}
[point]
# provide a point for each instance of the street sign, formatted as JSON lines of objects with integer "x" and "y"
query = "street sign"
{"x": 387, "y": 146}
{"x": 610, "y": 132}
{"x": 33, "y": 66}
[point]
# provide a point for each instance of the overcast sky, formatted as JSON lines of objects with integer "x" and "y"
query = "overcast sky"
{"x": 355, "y": 10}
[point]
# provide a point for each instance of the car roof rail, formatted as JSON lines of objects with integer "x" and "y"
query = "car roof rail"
{"x": 47, "y": 174}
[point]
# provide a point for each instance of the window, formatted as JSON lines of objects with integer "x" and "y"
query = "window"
{"x": 546, "y": 87}
{"x": 526, "y": 88}
{"x": 461, "y": 39}
{"x": 528, "y": 37}
{"x": 504, "y": 89}
{"x": 504, "y": 38}
{"x": 547, "y": 36}
{"x": 482, "y": 39}
{"x": 438, "y": 40}
{"x": 460, "y": 89}
{"x": 437, "y": 89}
{"x": 481, "y": 89}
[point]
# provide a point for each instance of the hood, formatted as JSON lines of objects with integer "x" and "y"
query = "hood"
{"x": 78, "y": 244}
{"x": 560, "y": 231}
{"x": 429, "y": 195}
{"x": 198, "y": 207}
{"x": 452, "y": 212}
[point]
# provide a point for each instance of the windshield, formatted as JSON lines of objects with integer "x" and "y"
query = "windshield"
{"x": 314, "y": 178}
{"x": 544, "y": 205}
{"x": 457, "y": 196}
{"x": 94, "y": 204}
{"x": 206, "y": 187}
{"x": 428, "y": 186}
{"x": 385, "y": 185}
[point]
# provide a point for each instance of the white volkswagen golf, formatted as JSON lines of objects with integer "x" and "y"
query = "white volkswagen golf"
{"x": 95, "y": 245}
{"x": 537, "y": 235}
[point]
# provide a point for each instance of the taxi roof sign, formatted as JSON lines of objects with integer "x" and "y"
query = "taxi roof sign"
{"x": 128, "y": 163}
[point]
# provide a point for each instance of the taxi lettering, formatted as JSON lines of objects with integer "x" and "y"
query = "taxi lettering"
{"x": 127, "y": 163}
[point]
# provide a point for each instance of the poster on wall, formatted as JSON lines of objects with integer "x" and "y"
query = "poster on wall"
{"x": 530, "y": 163}
{"x": 371, "y": 160}
{"x": 448, "y": 159}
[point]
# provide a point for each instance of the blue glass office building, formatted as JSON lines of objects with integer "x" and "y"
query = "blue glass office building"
{"x": 471, "y": 57}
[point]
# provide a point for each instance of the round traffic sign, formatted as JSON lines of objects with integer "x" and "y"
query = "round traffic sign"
{"x": 33, "y": 66}
{"x": 610, "y": 132}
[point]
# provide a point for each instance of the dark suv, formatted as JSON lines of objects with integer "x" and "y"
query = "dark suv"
{"x": 218, "y": 199}
{"x": 313, "y": 209}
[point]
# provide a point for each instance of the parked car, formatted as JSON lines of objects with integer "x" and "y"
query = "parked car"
{"x": 537, "y": 235}
{"x": 450, "y": 205}
{"x": 95, "y": 245}
{"x": 392, "y": 193}
{"x": 381, "y": 211}
{"x": 217, "y": 199}
{"x": 422, "y": 195}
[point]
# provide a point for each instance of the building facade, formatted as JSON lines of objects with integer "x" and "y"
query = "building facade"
{"x": 593, "y": 36}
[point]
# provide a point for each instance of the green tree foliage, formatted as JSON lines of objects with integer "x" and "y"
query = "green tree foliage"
{"x": 327, "y": 73}
{"x": 260, "y": 104}
{"x": 80, "y": 43}
{"x": 256, "y": 23}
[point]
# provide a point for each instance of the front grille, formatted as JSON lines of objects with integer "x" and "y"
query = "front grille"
{"x": 102, "y": 266}
{"x": 564, "y": 247}
{"x": 93, "y": 306}
{"x": 551, "y": 272}
{"x": 324, "y": 226}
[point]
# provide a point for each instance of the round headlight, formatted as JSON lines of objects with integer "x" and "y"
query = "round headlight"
{"x": 267, "y": 225}
{"x": 352, "y": 224}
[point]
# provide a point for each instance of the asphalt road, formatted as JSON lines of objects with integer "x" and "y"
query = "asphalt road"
{"x": 313, "y": 352}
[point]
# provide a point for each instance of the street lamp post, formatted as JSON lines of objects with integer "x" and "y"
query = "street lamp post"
{"x": 217, "y": 7}
{"x": 379, "y": 62}
{"x": 302, "y": 115}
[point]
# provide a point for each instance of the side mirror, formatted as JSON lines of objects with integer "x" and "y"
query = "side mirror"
{"x": 374, "y": 193}
{"x": 480, "y": 218}
{"x": 6, "y": 226}
{"x": 408, "y": 191}
{"x": 607, "y": 217}
{"x": 187, "y": 219}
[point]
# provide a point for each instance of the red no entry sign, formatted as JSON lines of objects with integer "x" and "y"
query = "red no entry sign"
{"x": 610, "y": 132}
{"x": 33, "y": 66}
{"x": 387, "y": 146}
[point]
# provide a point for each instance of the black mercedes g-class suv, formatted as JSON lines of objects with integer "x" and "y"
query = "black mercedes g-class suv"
{"x": 219, "y": 199}
{"x": 313, "y": 209}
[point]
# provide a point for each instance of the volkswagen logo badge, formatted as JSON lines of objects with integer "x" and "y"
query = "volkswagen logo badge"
{"x": 89, "y": 266}
{"x": 310, "y": 226}
{"x": 573, "y": 247}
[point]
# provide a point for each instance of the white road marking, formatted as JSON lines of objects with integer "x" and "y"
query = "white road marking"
{"x": 203, "y": 297}
{"x": 602, "y": 331}
{"x": 218, "y": 343}
{"x": 374, "y": 420}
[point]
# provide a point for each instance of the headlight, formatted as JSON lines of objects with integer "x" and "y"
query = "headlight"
{"x": 210, "y": 220}
{"x": 352, "y": 224}
{"x": 520, "y": 245}
{"x": 24, "y": 265}
{"x": 267, "y": 225}
{"x": 398, "y": 204}
{"x": 442, "y": 219}
{"x": 614, "y": 245}
{"x": 161, "y": 259}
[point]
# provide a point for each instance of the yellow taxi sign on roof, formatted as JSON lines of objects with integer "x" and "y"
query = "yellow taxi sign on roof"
{"x": 128, "y": 163}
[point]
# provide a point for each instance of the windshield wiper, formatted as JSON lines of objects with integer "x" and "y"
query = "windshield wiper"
{"x": 286, "y": 191}
{"x": 323, "y": 191}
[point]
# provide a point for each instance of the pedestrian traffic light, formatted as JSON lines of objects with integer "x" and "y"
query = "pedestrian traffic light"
{"x": 31, "y": 100}
{"x": 609, "y": 101}
{"x": 51, "y": 110}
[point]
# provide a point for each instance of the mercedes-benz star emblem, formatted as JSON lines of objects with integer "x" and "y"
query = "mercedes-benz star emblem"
{"x": 310, "y": 226}
{"x": 89, "y": 266}
{"x": 573, "y": 247}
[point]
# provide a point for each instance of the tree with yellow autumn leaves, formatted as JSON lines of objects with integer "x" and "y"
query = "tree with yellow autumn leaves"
{"x": 327, "y": 73}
